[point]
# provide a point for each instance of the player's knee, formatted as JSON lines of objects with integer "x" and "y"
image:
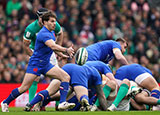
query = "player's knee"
{"x": 65, "y": 77}
{"x": 112, "y": 84}
{"x": 126, "y": 81}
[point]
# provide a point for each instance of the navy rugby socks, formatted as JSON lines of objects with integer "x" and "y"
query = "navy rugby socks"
{"x": 42, "y": 95}
{"x": 14, "y": 94}
{"x": 63, "y": 91}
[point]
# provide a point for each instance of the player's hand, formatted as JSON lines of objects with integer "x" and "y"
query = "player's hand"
{"x": 70, "y": 51}
{"x": 61, "y": 55}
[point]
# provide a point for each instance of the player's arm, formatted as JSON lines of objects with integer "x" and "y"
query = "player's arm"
{"x": 59, "y": 34}
{"x": 111, "y": 77}
{"x": 101, "y": 97}
{"x": 26, "y": 44}
{"x": 119, "y": 56}
{"x": 59, "y": 37}
{"x": 50, "y": 43}
{"x": 60, "y": 54}
{"x": 137, "y": 106}
{"x": 144, "y": 98}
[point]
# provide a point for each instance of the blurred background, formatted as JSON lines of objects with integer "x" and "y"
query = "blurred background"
{"x": 84, "y": 22}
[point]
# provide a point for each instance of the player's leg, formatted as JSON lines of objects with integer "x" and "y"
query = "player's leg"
{"x": 53, "y": 85}
{"x": 82, "y": 96}
{"x": 144, "y": 98}
{"x": 151, "y": 84}
{"x": 58, "y": 73}
{"x": 44, "y": 95}
{"x": 27, "y": 81}
{"x": 50, "y": 90}
{"x": 41, "y": 105}
{"x": 147, "y": 81}
{"x": 109, "y": 86}
{"x": 33, "y": 89}
{"x": 122, "y": 92}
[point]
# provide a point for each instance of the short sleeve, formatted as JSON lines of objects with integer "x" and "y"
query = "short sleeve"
{"x": 107, "y": 69}
{"x": 104, "y": 67}
{"x": 28, "y": 35}
{"x": 57, "y": 28}
{"x": 46, "y": 37}
{"x": 116, "y": 45}
{"x": 97, "y": 78}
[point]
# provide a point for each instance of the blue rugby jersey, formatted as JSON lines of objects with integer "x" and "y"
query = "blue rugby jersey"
{"x": 102, "y": 51}
{"x": 42, "y": 52}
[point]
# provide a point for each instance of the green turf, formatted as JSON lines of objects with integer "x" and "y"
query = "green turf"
{"x": 50, "y": 111}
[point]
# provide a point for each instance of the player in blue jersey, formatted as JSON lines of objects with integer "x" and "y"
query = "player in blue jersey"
{"x": 39, "y": 64}
{"x": 104, "y": 51}
{"x": 141, "y": 75}
{"x": 29, "y": 39}
{"x": 82, "y": 78}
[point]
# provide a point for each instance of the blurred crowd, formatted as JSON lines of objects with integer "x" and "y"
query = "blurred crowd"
{"x": 84, "y": 22}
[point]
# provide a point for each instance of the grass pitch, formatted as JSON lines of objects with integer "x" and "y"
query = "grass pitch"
{"x": 51, "y": 111}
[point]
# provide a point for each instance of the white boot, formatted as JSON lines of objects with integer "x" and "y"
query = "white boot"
{"x": 112, "y": 108}
{"x": 65, "y": 105}
{"x": 4, "y": 107}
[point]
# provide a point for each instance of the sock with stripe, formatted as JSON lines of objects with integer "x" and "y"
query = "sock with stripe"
{"x": 122, "y": 92}
{"x": 14, "y": 94}
{"x": 42, "y": 95}
{"x": 63, "y": 91}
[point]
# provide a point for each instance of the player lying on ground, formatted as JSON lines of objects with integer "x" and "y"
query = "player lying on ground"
{"x": 141, "y": 75}
{"x": 129, "y": 94}
{"x": 113, "y": 97}
{"x": 39, "y": 63}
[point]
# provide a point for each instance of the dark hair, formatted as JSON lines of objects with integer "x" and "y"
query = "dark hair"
{"x": 122, "y": 40}
{"x": 41, "y": 11}
{"x": 47, "y": 15}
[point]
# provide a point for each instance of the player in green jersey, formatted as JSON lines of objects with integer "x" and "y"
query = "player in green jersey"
{"x": 29, "y": 39}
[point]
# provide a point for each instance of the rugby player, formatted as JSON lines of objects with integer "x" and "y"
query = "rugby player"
{"x": 141, "y": 75}
{"x": 39, "y": 63}
{"x": 79, "y": 78}
{"x": 29, "y": 39}
{"x": 103, "y": 51}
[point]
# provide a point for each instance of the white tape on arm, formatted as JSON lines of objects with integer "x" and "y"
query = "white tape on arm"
{"x": 116, "y": 49}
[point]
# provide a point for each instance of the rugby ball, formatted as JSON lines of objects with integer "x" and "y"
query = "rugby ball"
{"x": 81, "y": 56}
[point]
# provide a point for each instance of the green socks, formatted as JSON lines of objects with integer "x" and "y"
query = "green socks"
{"x": 158, "y": 102}
{"x": 106, "y": 91}
{"x": 32, "y": 90}
{"x": 121, "y": 94}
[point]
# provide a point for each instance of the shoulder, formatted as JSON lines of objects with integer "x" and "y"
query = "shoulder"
{"x": 31, "y": 27}
{"x": 116, "y": 45}
{"x": 43, "y": 33}
{"x": 57, "y": 28}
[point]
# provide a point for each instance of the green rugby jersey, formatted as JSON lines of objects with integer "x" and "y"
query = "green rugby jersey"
{"x": 32, "y": 30}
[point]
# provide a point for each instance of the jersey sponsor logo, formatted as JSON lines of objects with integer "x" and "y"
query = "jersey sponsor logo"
{"x": 108, "y": 58}
{"x": 35, "y": 69}
{"x": 28, "y": 34}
